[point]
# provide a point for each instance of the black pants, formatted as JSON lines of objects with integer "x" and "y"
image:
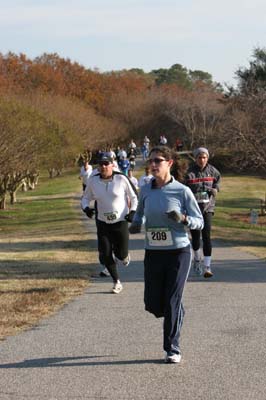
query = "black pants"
{"x": 112, "y": 239}
{"x": 206, "y": 236}
{"x": 165, "y": 275}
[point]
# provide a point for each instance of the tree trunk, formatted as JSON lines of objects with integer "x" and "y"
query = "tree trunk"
{"x": 3, "y": 203}
{"x": 13, "y": 197}
{"x": 51, "y": 173}
{"x": 24, "y": 187}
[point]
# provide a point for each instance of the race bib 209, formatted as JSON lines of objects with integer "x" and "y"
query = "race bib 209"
{"x": 159, "y": 237}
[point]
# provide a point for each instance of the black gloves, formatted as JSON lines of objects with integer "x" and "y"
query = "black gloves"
{"x": 89, "y": 212}
{"x": 134, "y": 228}
{"x": 175, "y": 216}
{"x": 129, "y": 217}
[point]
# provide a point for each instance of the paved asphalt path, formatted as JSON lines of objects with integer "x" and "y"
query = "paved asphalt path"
{"x": 105, "y": 346}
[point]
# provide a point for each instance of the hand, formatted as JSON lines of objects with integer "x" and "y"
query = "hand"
{"x": 213, "y": 192}
{"x": 175, "y": 216}
{"x": 89, "y": 212}
{"x": 134, "y": 228}
{"x": 129, "y": 217}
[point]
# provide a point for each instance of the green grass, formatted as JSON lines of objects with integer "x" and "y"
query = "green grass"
{"x": 55, "y": 186}
{"x": 48, "y": 208}
{"x": 38, "y": 216}
{"x": 53, "y": 210}
{"x": 238, "y": 195}
{"x": 44, "y": 234}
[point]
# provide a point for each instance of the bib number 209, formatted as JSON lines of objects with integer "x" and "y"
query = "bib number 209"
{"x": 159, "y": 237}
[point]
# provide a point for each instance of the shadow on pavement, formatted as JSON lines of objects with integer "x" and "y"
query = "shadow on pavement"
{"x": 73, "y": 362}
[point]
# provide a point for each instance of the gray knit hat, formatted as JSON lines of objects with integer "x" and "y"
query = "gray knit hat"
{"x": 200, "y": 150}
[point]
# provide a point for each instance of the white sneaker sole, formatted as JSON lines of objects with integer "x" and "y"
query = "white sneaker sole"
{"x": 174, "y": 359}
{"x": 117, "y": 290}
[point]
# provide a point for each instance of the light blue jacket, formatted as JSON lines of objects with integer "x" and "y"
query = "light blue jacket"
{"x": 161, "y": 232}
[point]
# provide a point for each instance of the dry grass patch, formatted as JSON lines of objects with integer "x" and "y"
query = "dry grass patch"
{"x": 251, "y": 240}
{"x": 39, "y": 275}
{"x": 47, "y": 255}
{"x": 25, "y": 302}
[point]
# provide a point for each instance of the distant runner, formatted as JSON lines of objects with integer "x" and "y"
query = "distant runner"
{"x": 204, "y": 181}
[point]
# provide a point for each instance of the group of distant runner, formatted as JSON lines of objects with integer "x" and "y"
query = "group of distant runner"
{"x": 175, "y": 215}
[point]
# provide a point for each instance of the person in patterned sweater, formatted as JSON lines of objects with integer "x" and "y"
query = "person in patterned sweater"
{"x": 204, "y": 181}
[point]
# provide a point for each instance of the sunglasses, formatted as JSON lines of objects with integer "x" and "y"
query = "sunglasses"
{"x": 156, "y": 160}
{"x": 101, "y": 163}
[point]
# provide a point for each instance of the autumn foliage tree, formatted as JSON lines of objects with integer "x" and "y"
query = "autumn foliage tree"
{"x": 53, "y": 108}
{"x": 32, "y": 138}
{"x": 21, "y": 141}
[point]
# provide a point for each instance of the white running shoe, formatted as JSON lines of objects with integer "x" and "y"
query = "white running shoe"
{"x": 104, "y": 273}
{"x": 207, "y": 272}
{"x": 117, "y": 287}
{"x": 172, "y": 358}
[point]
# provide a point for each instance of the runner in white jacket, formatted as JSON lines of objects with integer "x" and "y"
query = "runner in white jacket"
{"x": 116, "y": 204}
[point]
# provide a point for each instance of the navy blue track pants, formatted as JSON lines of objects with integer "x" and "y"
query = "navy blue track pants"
{"x": 165, "y": 275}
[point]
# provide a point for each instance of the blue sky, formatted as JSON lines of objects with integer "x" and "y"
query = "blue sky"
{"x": 214, "y": 36}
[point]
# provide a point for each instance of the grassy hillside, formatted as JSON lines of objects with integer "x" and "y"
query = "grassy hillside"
{"x": 232, "y": 222}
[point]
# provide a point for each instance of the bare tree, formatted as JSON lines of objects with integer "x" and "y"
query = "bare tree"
{"x": 199, "y": 112}
{"x": 243, "y": 132}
